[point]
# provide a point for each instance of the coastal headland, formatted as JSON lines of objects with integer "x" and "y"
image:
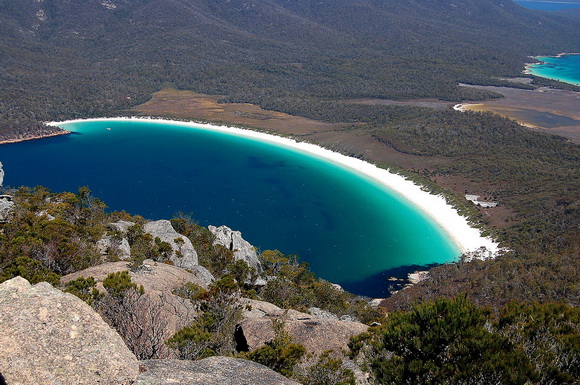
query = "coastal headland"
{"x": 39, "y": 135}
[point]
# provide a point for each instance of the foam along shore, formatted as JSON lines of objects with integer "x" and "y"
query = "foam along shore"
{"x": 466, "y": 238}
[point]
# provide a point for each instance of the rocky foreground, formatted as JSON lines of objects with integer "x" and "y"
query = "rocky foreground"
{"x": 127, "y": 291}
{"x": 52, "y": 337}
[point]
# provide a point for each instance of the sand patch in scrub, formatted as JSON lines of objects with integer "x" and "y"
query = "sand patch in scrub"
{"x": 547, "y": 109}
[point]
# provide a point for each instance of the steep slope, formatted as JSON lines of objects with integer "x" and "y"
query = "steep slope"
{"x": 63, "y": 59}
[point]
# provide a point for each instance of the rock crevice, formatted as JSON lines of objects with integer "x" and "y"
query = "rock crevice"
{"x": 234, "y": 242}
{"x": 184, "y": 255}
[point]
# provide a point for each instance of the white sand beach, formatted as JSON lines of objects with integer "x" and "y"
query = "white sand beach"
{"x": 466, "y": 238}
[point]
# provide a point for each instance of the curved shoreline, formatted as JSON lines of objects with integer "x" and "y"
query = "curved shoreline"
{"x": 529, "y": 67}
{"x": 49, "y": 135}
{"x": 466, "y": 238}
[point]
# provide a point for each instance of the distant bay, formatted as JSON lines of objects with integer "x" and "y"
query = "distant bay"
{"x": 351, "y": 230}
{"x": 547, "y": 5}
{"x": 564, "y": 67}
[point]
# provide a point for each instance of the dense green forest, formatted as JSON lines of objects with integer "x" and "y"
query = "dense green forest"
{"x": 66, "y": 60}
{"x": 455, "y": 342}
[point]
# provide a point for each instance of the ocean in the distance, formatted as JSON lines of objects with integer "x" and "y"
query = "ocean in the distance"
{"x": 349, "y": 228}
{"x": 548, "y": 5}
{"x": 565, "y": 68}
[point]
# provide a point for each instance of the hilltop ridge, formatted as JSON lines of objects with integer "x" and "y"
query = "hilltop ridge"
{"x": 66, "y": 60}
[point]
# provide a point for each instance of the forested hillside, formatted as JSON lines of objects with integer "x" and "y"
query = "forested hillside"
{"x": 63, "y": 59}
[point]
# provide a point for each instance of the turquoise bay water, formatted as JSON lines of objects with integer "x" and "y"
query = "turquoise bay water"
{"x": 348, "y": 227}
{"x": 565, "y": 68}
{"x": 548, "y": 5}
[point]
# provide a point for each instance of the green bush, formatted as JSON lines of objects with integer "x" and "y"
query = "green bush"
{"x": 216, "y": 258}
{"x": 550, "y": 337}
{"x": 296, "y": 287}
{"x": 279, "y": 354}
{"x": 212, "y": 332}
{"x": 54, "y": 229}
{"x": 447, "y": 342}
{"x": 326, "y": 371}
{"x": 84, "y": 288}
{"x": 119, "y": 284}
{"x": 29, "y": 269}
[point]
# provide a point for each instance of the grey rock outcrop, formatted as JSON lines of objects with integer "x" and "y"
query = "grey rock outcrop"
{"x": 6, "y": 206}
{"x": 121, "y": 226}
{"x": 109, "y": 245}
{"x": 254, "y": 309}
{"x": 319, "y": 313}
{"x": 233, "y": 241}
{"x": 116, "y": 244}
{"x": 375, "y": 302}
{"x": 209, "y": 371}
{"x": 316, "y": 334}
{"x": 159, "y": 312}
{"x": 154, "y": 276}
{"x": 51, "y": 337}
{"x": 184, "y": 255}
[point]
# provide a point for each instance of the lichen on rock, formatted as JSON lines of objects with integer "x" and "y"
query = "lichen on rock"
{"x": 51, "y": 337}
{"x": 241, "y": 248}
{"x": 184, "y": 255}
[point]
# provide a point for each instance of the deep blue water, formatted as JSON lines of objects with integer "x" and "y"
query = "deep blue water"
{"x": 350, "y": 229}
{"x": 547, "y": 5}
{"x": 565, "y": 68}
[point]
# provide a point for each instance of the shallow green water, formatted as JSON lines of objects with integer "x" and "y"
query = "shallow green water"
{"x": 349, "y": 228}
{"x": 565, "y": 68}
